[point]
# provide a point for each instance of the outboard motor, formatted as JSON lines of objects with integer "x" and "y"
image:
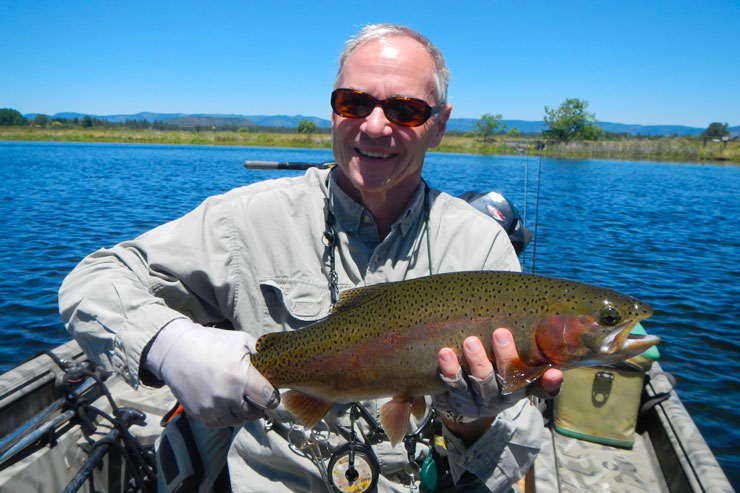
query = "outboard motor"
{"x": 497, "y": 206}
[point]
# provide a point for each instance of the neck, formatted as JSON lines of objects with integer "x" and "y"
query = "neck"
{"x": 386, "y": 206}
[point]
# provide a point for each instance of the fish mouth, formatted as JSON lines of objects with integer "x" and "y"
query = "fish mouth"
{"x": 621, "y": 341}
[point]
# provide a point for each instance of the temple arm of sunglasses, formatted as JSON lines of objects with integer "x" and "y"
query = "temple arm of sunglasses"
{"x": 287, "y": 165}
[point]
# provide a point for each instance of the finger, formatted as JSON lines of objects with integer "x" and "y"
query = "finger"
{"x": 476, "y": 357}
{"x": 504, "y": 348}
{"x": 448, "y": 364}
{"x": 551, "y": 381}
{"x": 258, "y": 391}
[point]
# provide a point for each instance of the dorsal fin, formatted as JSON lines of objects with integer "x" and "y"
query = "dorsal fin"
{"x": 269, "y": 340}
{"x": 350, "y": 298}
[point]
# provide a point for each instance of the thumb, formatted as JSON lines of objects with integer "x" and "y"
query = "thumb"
{"x": 257, "y": 389}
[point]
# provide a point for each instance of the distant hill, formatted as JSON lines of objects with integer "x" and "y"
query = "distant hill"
{"x": 460, "y": 124}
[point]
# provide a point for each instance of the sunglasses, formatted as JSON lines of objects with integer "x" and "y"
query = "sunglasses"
{"x": 409, "y": 112}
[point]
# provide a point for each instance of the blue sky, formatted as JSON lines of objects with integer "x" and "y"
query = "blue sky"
{"x": 646, "y": 62}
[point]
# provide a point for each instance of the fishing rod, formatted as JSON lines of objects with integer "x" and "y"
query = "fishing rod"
{"x": 288, "y": 165}
{"x": 80, "y": 385}
{"x": 40, "y": 424}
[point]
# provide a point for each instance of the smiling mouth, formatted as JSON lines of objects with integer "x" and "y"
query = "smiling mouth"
{"x": 374, "y": 155}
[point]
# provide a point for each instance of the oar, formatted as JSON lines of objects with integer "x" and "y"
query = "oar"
{"x": 287, "y": 165}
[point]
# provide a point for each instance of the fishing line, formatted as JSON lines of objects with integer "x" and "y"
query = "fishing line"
{"x": 526, "y": 186}
{"x": 536, "y": 212}
{"x": 426, "y": 226}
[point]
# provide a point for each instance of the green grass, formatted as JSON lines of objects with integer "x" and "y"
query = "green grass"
{"x": 180, "y": 137}
{"x": 664, "y": 149}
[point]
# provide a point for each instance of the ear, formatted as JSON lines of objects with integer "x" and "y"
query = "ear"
{"x": 440, "y": 125}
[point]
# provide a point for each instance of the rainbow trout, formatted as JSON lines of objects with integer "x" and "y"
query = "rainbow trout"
{"x": 383, "y": 340}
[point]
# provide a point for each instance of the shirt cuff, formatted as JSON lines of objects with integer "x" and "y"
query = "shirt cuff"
{"x": 482, "y": 456}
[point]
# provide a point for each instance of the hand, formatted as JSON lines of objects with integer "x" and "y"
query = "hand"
{"x": 209, "y": 372}
{"x": 478, "y": 396}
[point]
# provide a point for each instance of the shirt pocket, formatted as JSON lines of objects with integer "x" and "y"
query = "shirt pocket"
{"x": 292, "y": 303}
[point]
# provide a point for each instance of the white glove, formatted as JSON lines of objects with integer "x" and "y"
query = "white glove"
{"x": 209, "y": 372}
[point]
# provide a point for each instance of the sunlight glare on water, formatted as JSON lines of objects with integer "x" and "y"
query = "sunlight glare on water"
{"x": 662, "y": 232}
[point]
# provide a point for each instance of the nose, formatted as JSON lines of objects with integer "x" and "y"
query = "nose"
{"x": 376, "y": 124}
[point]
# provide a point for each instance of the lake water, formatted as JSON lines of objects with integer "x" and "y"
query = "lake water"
{"x": 666, "y": 233}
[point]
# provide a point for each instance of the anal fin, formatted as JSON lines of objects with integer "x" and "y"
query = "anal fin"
{"x": 308, "y": 409}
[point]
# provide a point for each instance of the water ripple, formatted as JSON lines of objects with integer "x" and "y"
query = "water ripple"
{"x": 662, "y": 232}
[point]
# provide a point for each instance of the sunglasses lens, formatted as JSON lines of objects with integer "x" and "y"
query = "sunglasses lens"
{"x": 351, "y": 104}
{"x": 408, "y": 112}
{"x": 401, "y": 111}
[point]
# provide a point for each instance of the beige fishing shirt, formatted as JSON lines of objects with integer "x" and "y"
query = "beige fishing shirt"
{"x": 254, "y": 258}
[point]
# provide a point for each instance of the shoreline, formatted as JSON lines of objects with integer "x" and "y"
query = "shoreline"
{"x": 673, "y": 149}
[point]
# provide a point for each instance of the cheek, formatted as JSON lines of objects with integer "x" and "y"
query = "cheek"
{"x": 343, "y": 129}
{"x": 411, "y": 139}
{"x": 420, "y": 138}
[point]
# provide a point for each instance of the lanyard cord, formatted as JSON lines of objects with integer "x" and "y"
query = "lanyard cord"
{"x": 329, "y": 239}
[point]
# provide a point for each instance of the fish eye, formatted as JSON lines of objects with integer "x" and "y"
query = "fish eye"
{"x": 610, "y": 316}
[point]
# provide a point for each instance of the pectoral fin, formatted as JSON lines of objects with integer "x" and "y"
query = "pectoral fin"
{"x": 515, "y": 374}
{"x": 308, "y": 409}
{"x": 394, "y": 416}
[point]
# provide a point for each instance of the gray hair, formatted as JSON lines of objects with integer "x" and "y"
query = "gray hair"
{"x": 441, "y": 75}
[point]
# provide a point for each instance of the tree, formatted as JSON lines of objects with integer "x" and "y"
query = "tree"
{"x": 87, "y": 121}
{"x": 487, "y": 126}
{"x": 40, "y": 120}
{"x": 571, "y": 121}
{"x": 307, "y": 127}
{"x": 10, "y": 116}
{"x": 716, "y": 130}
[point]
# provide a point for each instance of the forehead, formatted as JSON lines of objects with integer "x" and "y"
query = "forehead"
{"x": 396, "y": 66}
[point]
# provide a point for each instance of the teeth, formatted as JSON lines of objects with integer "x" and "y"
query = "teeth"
{"x": 379, "y": 155}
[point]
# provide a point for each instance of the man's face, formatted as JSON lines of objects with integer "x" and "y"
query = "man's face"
{"x": 373, "y": 154}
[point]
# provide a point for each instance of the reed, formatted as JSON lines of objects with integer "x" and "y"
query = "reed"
{"x": 664, "y": 149}
{"x": 682, "y": 149}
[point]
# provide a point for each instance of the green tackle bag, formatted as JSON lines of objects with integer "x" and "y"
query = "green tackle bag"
{"x": 600, "y": 404}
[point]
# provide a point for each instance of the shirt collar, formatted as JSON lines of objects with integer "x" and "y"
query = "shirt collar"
{"x": 351, "y": 214}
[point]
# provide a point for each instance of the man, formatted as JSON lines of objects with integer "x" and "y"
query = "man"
{"x": 272, "y": 256}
